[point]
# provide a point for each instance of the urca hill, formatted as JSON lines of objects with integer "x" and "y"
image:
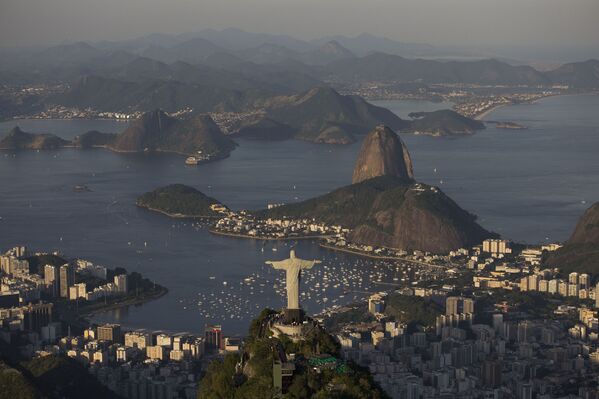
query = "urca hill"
{"x": 385, "y": 206}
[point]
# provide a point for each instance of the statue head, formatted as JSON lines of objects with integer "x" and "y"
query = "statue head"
{"x": 292, "y": 253}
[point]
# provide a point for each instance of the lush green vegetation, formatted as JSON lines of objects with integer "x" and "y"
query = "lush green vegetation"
{"x": 93, "y": 138}
{"x": 178, "y": 199}
{"x": 350, "y": 205}
{"x": 537, "y": 304}
{"x": 377, "y": 210}
{"x": 581, "y": 258}
{"x": 254, "y": 380}
{"x": 17, "y": 139}
{"x": 412, "y": 309}
{"x": 358, "y": 313}
{"x": 14, "y": 385}
{"x": 50, "y": 377}
{"x": 358, "y": 203}
{"x": 581, "y": 252}
{"x": 37, "y": 262}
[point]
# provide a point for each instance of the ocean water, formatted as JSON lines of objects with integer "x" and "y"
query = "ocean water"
{"x": 528, "y": 185}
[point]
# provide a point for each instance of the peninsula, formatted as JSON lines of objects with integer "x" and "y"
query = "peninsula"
{"x": 442, "y": 123}
{"x": 385, "y": 207}
{"x": 181, "y": 201}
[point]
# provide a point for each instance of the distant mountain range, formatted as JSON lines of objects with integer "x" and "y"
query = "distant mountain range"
{"x": 363, "y": 57}
{"x": 577, "y": 74}
{"x": 388, "y": 67}
{"x": 236, "y": 71}
{"x": 107, "y": 94}
{"x": 320, "y": 115}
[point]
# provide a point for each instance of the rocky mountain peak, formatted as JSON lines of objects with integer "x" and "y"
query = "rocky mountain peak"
{"x": 383, "y": 153}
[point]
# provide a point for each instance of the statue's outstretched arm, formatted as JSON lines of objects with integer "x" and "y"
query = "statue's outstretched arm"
{"x": 308, "y": 264}
{"x": 280, "y": 265}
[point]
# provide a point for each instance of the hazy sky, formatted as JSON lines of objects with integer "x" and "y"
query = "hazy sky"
{"x": 456, "y": 22}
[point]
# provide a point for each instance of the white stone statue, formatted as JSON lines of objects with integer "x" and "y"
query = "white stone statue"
{"x": 293, "y": 266}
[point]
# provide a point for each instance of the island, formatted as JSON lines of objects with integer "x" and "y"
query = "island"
{"x": 156, "y": 131}
{"x": 17, "y": 139}
{"x": 510, "y": 125}
{"x": 181, "y": 201}
{"x": 442, "y": 123}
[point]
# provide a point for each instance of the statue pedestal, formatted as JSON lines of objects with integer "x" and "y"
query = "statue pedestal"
{"x": 293, "y": 316}
{"x": 295, "y": 332}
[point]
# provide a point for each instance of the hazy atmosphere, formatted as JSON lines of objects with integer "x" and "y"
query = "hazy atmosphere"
{"x": 299, "y": 199}
{"x": 440, "y": 22}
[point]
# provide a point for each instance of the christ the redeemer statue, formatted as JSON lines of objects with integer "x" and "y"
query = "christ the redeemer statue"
{"x": 293, "y": 267}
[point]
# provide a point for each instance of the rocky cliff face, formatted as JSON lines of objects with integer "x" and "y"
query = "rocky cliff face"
{"x": 421, "y": 217}
{"x": 145, "y": 133}
{"x": 383, "y": 153}
{"x": 387, "y": 211}
{"x": 581, "y": 252}
{"x": 587, "y": 229}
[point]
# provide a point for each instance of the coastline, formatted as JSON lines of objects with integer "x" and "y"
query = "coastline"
{"x": 484, "y": 114}
{"x": 175, "y": 215}
{"x": 379, "y": 257}
{"x": 496, "y": 107}
{"x": 93, "y": 310}
{"x": 237, "y": 235}
{"x": 358, "y": 253}
{"x": 109, "y": 148}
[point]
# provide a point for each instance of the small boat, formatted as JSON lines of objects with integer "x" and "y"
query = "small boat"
{"x": 191, "y": 161}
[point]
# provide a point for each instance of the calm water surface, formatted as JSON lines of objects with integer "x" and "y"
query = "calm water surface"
{"x": 528, "y": 185}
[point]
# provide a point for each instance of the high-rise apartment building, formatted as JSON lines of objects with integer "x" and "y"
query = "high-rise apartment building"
{"x": 67, "y": 279}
